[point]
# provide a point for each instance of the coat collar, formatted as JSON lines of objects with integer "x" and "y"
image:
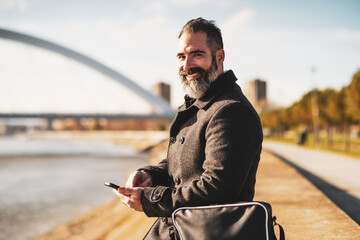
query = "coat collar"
{"x": 216, "y": 88}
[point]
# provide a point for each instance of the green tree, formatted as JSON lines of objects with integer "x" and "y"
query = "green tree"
{"x": 353, "y": 98}
{"x": 300, "y": 111}
{"x": 329, "y": 107}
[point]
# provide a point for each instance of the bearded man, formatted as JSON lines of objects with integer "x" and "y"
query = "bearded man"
{"x": 215, "y": 138}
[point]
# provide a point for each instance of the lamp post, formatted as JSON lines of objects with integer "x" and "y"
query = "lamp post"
{"x": 315, "y": 109}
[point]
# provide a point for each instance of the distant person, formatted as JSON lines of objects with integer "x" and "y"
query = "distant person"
{"x": 302, "y": 136}
{"x": 215, "y": 139}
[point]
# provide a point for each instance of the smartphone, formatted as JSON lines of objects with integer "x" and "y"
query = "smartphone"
{"x": 112, "y": 185}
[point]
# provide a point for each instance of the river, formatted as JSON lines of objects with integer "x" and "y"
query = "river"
{"x": 45, "y": 182}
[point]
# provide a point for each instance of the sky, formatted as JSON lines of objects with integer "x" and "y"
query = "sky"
{"x": 294, "y": 46}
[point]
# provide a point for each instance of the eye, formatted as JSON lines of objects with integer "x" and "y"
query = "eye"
{"x": 181, "y": 57}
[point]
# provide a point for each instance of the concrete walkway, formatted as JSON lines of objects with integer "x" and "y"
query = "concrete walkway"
{"x": 304, "y": 211}
{"x": 338, "y": 177}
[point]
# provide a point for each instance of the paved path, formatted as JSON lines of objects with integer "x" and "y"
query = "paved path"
{"x": 337, "y": 176}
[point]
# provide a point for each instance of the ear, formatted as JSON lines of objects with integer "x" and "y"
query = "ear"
{"x": 220, "y": 57}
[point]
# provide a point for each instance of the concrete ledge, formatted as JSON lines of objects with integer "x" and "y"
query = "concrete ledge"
{"x": 304, "y": 211}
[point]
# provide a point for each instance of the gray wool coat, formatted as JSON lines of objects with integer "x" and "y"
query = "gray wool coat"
{"x": 213, "y": 155}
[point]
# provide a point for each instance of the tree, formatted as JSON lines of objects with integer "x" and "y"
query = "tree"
{"x": 330, "y": 112}
{"x": 337, "y": 109}
{"x": 352, "y": 98}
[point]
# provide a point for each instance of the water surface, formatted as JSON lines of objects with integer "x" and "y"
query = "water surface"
{"x": 47, "y": 182}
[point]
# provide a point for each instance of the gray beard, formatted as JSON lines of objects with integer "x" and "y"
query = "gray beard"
{"x": 197, "y": 88}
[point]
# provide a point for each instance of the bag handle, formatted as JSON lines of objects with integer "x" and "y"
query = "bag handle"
{"x": 281, "y": 230}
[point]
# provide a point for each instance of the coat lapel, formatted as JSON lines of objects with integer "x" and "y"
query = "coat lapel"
{"x": 223, "y": 82}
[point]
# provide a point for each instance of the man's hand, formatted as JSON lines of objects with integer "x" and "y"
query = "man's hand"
{"x": 139, "y": 179}
{"x": 130, "y": 197}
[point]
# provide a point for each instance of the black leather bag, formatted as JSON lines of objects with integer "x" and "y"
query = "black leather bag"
{"x": 239, "y": 221}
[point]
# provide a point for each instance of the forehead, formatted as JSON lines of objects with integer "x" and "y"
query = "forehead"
{"x": 193, "y": 41}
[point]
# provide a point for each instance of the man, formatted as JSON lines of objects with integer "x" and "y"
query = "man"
{"x": 215, "y": 138}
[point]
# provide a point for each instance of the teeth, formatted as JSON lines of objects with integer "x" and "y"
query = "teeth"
{"x": 192, "y": 75}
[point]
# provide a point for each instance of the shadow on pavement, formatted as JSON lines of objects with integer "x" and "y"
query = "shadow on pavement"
{"x": 344, "y": 200}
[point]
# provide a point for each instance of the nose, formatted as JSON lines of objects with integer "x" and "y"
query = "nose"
{"x": 187, "y": 64}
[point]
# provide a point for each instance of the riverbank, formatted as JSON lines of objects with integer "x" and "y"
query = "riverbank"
{"x": 303, "y": 211}
{"x": 139, "y": 140}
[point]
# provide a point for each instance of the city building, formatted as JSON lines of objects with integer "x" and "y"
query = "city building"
{"x": 256, "y": 93}
{"x": 162, "y": 89}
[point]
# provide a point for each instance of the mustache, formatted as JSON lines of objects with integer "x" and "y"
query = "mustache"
{"x": 184, "y": 73}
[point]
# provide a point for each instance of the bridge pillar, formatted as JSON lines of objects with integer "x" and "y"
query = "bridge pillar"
{"x": 50, "y": 124}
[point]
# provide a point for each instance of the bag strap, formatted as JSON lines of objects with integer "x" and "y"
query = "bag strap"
{"x": 281, "y": 229}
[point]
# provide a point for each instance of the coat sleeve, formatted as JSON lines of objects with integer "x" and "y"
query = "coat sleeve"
{"x": 158, "y": 173}
{"x": 233, "y": 140}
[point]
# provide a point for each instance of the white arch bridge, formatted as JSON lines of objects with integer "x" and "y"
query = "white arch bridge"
{"x": 161, "y": 107}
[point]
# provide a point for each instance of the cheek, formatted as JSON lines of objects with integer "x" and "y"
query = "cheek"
{"x": 205, "y": 65}
{"x": 179, "y": 66}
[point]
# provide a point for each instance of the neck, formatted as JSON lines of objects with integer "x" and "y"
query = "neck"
{"x": 220, "y": 69}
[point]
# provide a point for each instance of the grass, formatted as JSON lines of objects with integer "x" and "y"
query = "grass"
{"x": 338, "y": 145}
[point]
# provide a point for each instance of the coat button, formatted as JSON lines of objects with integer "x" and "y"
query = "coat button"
{"x": 155, "y": 197}
{"x": 177, "y": 181}
{"x": 172, "y": 139}
{"x": 181, "y": 140}
{"x": 164, "y": 220}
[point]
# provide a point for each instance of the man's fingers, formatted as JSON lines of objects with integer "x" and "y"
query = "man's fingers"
{"x": 130, "y": 197}
{"x": 134, "y": 182}
{"x": 129, "y": 182}
{"x": 125, "y": 199}
{"x": 134, "y": 179}
{"x": 139, "y": 179}
{"x": 119, "y": 195}
{"x": 126, "y": 191}
{"x": 146, "y": 183}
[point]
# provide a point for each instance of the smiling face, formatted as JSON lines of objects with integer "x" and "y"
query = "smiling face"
{"x": 197, "y": 66}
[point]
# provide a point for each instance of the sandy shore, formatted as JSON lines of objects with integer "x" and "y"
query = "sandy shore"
{"x": 301, "y": 208}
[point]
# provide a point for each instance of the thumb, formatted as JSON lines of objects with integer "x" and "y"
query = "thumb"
{"x": 125, "y": 191}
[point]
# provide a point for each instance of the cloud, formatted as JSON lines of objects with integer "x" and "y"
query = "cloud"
{"x": 154, "y": 6}
{"x": 45, "y": 75}
{"x": 191, "y": 2}
{"x": 155, "y": 22}
{"x": 13, "y": 4}
{"x": 222, "y": 3}
{"x": 237, "y": 21}
{"x": 346, "y": 35}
